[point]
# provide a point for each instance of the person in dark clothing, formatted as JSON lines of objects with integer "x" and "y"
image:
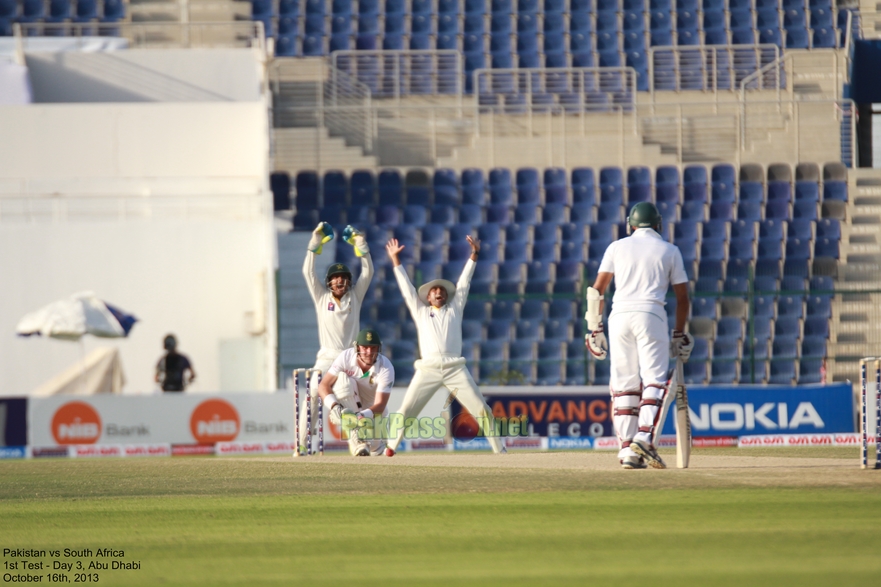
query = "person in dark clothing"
{"x": 172, "y": 367}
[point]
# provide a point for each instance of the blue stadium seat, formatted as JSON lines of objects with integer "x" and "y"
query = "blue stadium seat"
{"x": 568, "y": 276}
{"x": 516, "y": 251}
{"x": 695, "y": 370}
{"x": 538, "y": 277}
{"x": 551, "y": 360}
{"x": 519, "y": 233}
{"x": 532, "y": 309}
{"x": 473, "y": 189}
{"x": 813, "y": 347}
{"x": 743, "y": 37}
{"x": 667, "y": 175}
{"x": 704, "y": 307}
{"x": 390, "y": 188}
{"x": 807, "y": 191}
{"x": 825, "y": 247}
{"x": 824, "y": 38}
{"x": 527, "y": 183}
{"x": 610, "y": 212}
{"x": 335, "y": 190}
{"x": 819, "y": 305}
{"x": 611, "y": 186}
{"x": 510, "y": 277}
{"x": 797, "y": 37}
{"x": 583, "y": 186}
{"x": 817, "y": 326}
{"x": 779, "y": 191}
{"x": 527, "y": 330}
{"x": 828, "y": 228}
{"x": 835, "y": 190}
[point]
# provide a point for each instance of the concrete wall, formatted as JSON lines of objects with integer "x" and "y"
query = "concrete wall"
{"x": 135, "y": 140}
{"x": 146, "y": 75}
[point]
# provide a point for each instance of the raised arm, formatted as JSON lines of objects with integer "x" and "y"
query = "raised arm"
{"x": 360, "y": 288}
{"x": 322, "y": 234}
{"x": 393, "y": 248}
{"x": 464, "y": 283}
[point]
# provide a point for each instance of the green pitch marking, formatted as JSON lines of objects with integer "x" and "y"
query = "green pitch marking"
{"x": 261, "y": 522}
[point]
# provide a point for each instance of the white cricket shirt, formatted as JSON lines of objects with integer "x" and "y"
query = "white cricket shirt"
{"x": 439, "y": 330}
{"x": 644, "y": 265}
{"x": 380, "y": 378}
{"x": 338, "y": 320}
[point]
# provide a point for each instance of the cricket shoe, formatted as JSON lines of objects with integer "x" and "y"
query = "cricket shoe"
{"x": 633, "y": 463}
{"x": 389, "y": 452}
{"x": 379, "y": 450}
{"x": 360, "y": 450}
{"x": 648, "y": 452}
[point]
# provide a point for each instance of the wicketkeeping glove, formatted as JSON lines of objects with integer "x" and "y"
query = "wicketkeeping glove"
{"x": 352, "y": 236}
{"x": 596, "y": 343}
{"x": 681, "y": 345}
{"x": 323, "y": 233}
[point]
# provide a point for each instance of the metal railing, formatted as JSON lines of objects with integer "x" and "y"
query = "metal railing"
{"x": 707, "y": 68}
{"x": 569, "y": 89}
{"x": 392, "y": 74}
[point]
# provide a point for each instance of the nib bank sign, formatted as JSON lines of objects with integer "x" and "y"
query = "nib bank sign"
{"x": 76, "y": 423}
{"x": 215, "y": 420}
{"x": 773, "y": 409}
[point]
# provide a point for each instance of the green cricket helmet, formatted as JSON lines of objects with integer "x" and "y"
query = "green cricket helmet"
{"x": 644, "y": 215}
{"x": 368, "y": 337}
{"x": 337, "y": 269}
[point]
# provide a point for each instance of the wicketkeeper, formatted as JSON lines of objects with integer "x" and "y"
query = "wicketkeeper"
{"x": 437, "y": 312}
{"x": 337, "y": 306}
{"x": 358, "y": 385}
{"x": 643, "y": 265}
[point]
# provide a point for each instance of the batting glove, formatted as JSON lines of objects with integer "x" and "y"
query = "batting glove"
{"x": 681, "y": 345}
{"x": 336, "y": 413}
{"x": 352, "y": 236}
{"x": 323, "y": 233}
{"x": 596, "y": 343}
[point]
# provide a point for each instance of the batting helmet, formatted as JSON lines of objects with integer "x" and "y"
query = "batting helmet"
{"x": 336, "y": 269}
{"x": 644, "y": 215}
{"x": 368, "y": 337}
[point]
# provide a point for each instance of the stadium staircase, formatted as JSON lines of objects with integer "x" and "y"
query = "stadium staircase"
{"x": 171, "y": 12}
{"x": 301, "y": 137}
{"x": 855, "y": 327}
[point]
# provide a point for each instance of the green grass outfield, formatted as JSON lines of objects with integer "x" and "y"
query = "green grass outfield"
{"x": 776, "y": 517}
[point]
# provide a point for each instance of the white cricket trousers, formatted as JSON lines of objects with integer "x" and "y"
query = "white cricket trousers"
{"x": 639, "y": 351}
{"x": 430, "y": 376}
{"x": 349, "y": 396}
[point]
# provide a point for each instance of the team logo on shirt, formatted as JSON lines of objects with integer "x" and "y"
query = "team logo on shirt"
{"x": 330, "y": 307}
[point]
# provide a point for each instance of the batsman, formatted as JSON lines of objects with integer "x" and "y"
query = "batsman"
{"x": 337, "y": 307}
{"x": 358, "y": 384}
{"x": 643, "y": 265}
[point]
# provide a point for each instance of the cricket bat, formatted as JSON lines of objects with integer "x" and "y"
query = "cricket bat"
{"x": 683, "y": 422}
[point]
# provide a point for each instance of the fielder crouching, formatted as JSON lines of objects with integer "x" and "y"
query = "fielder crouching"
{"x": 644, "y": 265}
{"x": 358, "y": 385}
{"x": 437, "y": 312}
